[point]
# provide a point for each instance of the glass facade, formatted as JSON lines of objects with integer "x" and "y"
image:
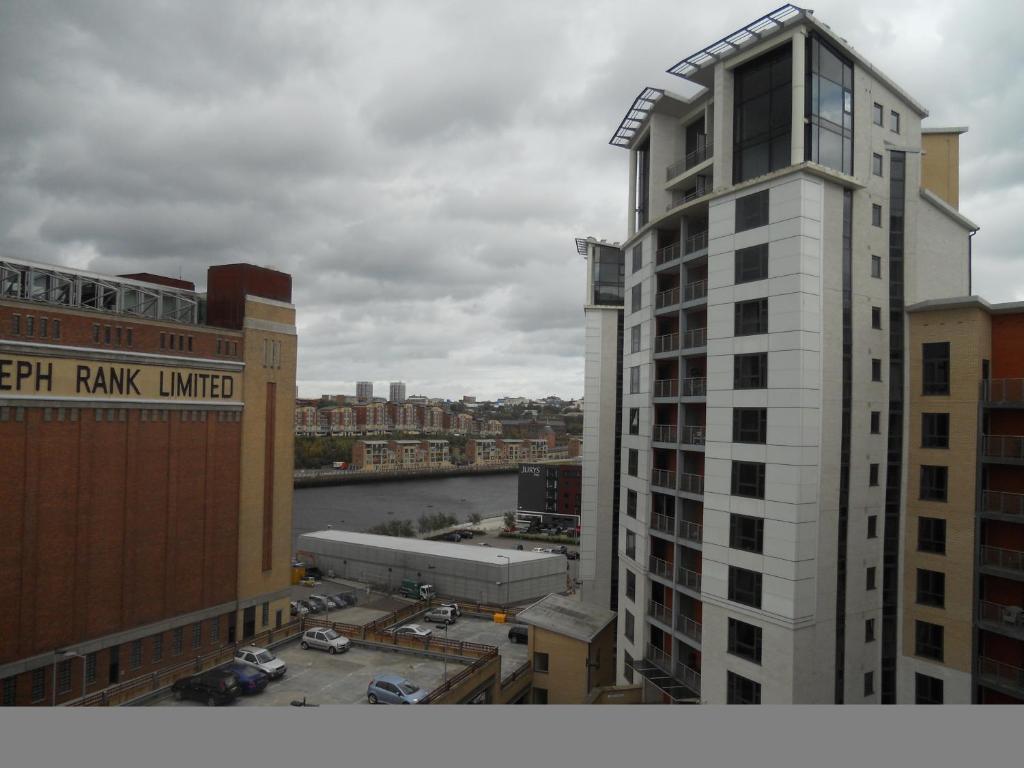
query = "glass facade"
{"x": 608, "y": 271}
{"x": 829, "y": 108}
{"x": 762, "y": 114}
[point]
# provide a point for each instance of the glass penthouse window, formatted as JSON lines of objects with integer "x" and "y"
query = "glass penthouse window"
{"x": 609, "y": 273}
{"x": 829, "y": 108}
{"x": 763, "y": 114}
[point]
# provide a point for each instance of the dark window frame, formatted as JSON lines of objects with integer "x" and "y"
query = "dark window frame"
{"x": 634, "y": 421}
{"x": 876, "y": 266}
{"x": 630, "y": 585}
{"x": 929, "y": 640}
{"x": 876, "y": 215}
{"x": 746, "y": 587}
{"x": 631, "y": 503}
{"x": 876, "y": 369}
{"x": 751, "y": 264}
{"x": 873, "y": 472}
{"x": 745, "y": 641}
{"x": 638, "y": 257}
{"x": 742, "y": 690}
{"x": 636, "y": 298}
{"x": 935, "y": 430}
{"x": 876, "y": 318}
{"x": 877, "y": 114}
{"x": 931, "y": 535}
{"x": 634, "y": 339}
{"x": 762, "y": 114}
{"x": 751, "y": 317}
{"x": 746, "y": 533}
{"x": 632, "y": 462}
{"x": 876, "y": 423}
{"x": 935, "y": 368}
{"x": 870, "y": 578}
{"x": 872, "y": 527}
{"x": 744, "y": 485}
{"x": 877, "y": 164}
{"x": 928, "y": 689}
{"x": 750, "y": 425}
{"x": 930, "y": 588}
{"x": 934, "y": 484}
{"x": 752, "y": 211}
{"x": 745, "y": 379}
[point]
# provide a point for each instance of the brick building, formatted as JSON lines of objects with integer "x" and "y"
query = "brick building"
{"x": 146, "y": 453}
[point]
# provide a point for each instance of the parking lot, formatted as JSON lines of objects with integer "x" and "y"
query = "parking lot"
{"x": 324, "y": 679}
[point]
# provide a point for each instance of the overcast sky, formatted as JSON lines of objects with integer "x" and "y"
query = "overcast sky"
{"x": 420, "y": 168}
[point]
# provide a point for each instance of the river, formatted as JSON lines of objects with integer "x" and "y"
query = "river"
{"x": 359, "y": 506}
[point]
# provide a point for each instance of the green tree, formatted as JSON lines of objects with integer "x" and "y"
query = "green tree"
{"x": 510, "y": 519}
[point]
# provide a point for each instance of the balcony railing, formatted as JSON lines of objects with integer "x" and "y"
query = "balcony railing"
{"x": 1003, "y": 503}
{"x": 688, "y": 627}
{"x": 1004, "y": 559}
{"x": 1001, "y": 672}
{"x": 1003, "y": 446}
{"x": 688, "y": 677}
{"x": 660, "y": 567}
{"x": 691, "y": 435}
{"x": 667, "y": 387}
{"x": 663, "y": 523}
{"x": 698, "y": 289}
{"x": 998, "y": 391}
{"x": 695, "y": 387}
{"x": 695, "y": 337}
{"x": 1011, "y": 616}
{"x": 687, "y": 578}
{"x": 690, "y": 531}
{"x": 663, "y": 478}
{"x": 698, "y": 241}
{"x": 691, "y": 483}
{"x": 659, "y": 658}
{"x": 660, "y": 613}
{"x": 697, "y": 156}
{"x": 667, "y": 254}
{"x": 666, "y": 298}
{"x": 665, "y": 433}
{"x": 702, "y": 188}
{"x": 668, "y": 342}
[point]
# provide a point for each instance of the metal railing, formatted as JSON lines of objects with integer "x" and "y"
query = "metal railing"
{"x": 1006, "y": 559}
{"x": 663, "y": 523}
{"x": 691, "y": 483}
{"x": 702, "y": 188}
{"x": 659, "y": 567}
{"x": 1003, "y": 503}
{"x": 666, "y": 298}
{"x": 663, "y": 478}
{"x": 690, "y": 531}
{"x": 688, "y": 627}
{"x": 660, "y": 612}
{"x": 1003, "y": 446}
{"x": 666, "y": 254}
{"x": 698, "y": 241}
{"x": 695, "y": 387}
{"x": 666, "y": 388}
{"x": 697, "y": 156}
{"x": 687, "y": 578}
{"x": 1003, "y": 390}
{"x": 1000, "y": 671}
{"x": 695, "y": 337}
{"x": 698, "y": 289}
{"x": 1003, "y": 615}
{"x": 659, "y": 658}
{"x": 688, "y": 677}
{"x": 664, "y": 433}
{"x": 691, "y": 435}
{"x": 668, "y": 342}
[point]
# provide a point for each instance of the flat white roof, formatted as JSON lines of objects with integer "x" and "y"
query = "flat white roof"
{"x": 470, "y": 551}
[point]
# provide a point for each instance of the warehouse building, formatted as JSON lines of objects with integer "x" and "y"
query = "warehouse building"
{"x": 463, "y": 571}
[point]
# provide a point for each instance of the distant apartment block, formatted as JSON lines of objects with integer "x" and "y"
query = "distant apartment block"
{"x": 461, "y": 423}
{"x": 377, "y": 455}
{"x": 396, "y": 392}
{"x": 549, "y": 493}
{"x": 372, "y": 418}
{"x": 307, "y": 420}
{"x": 339, "y": 421}
{"x": 502, "y": 451}
{"x": 364, "y": 391}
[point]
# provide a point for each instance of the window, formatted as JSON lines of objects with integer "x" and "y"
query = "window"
{"x": 873, "y": 474}
{"x": 876, "y": 369}
{"x": 828, "y": 126}
{"x": 931, "y": 588}
{"x": 607, "y": 271}
{"x": 633, "y": 461}
{"x": 64, "y": 676}
{"x": 638, "y": 257}
{"x": 745, "y": 586}
{"x": 220, "y": 343}
{"x": 90, "y": 668}
{"x": 16, "y": 331}
{"x": 935, "y": 430}
{"x": 540, "y": 695}
{"x": 876, "y": 164}
{"x": 540, "y": 662}
{"x": 876, "y": 114}
{"x": 107, "y": 334}
{"x": 163, "y": 339}
{"x": 745, "y": 640}
{"x": 630, "y": 503}
{"x": 931, "y": 535}
{"x": 894, "y": 121}
{"x": 750, "y": 425}
{"x": 927, "y": 690}
{"x": 872, "y": 526}
{"x": 176, "y": 641}
{"x": 215, "y": 629}
{"x": 876, "y": 215}
{"x": 635, "y": 298}
{"x": 634, "y": 339}
{"x": 128, "y": 334}
{"x": 158, "y": 647}
{"x": 869, "y": 578}
{"x": 752, "y": 211}
{"x": 135, "y": 655}
{"x": 750, "y": 371}
{"x": 630, "y": 625}
{"x": 44, "y": 324}
{"x": 933, "y": 483}
{"x": 189, "y": 343}
{"x": 751, "y": 317}
{"x": 928, "y": 640}
{"x": 265, "y": 614}
{"x": 10, "y": 693}
{"x": 55, "y": 325}
{"x": 278, "y": 618}
{"x": 936, "y": 368}
{"x": 752, "y": 263}
{"x": 197, "y": 634}
{"x": 869, "y": 683}
{"x": 30, "y": 325}
{"x": 634, "y": 380}
{"x": 631, "y": 585}
{"x": 876, "y": 317}
{"x": 748, "y": 479}
{"x": 38, "y": 684}
{"x": 746, "y": 533}
{"x": 869, "y": 631}
{"x": 742, "y": 691}
{"x": 627, "y": 667}
{"x": 631, "y": 545}
{"x": 634, "y": 421}
{"x": 876, "y": 266}
{"x": 876, "y": 422}
{"x": 762, "y": 114}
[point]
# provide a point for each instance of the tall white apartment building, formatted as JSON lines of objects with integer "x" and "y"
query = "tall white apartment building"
{"x": 397, "y": 392}
{"x": 364, "y": 391}
{"x": 777, "y": 228}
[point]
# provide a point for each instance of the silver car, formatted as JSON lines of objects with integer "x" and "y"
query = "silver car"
{"x": 324, "y": 639}
{"x": 261, "y": 659}
{"x": 413, "y": 630}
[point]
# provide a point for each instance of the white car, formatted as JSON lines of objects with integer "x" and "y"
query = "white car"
{"x": 324, "y": 639}
{"x": 263, "y": 660}
{"x": 413, "y": 630}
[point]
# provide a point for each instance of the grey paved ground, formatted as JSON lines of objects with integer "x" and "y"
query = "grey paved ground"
{"x": 489, "y": 633}
{"x": 324, "y": 679}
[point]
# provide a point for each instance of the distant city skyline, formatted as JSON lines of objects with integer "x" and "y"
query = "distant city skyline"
{"x": 309, "y": 391}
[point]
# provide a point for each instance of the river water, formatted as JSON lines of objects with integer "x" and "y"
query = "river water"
{"x": 359, "y": 506}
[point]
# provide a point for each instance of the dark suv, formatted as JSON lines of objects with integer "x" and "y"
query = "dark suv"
{"x": 215, "y": 687}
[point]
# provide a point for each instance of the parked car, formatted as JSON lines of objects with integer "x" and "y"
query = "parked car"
{"x": 297, "y": 609}
{"x": 392, "y": 689}
{"x": 572, "y": 554}
{"x": 560, "y": 549}
{"x": 541, "y": 549}
{"x": 322, "y": 603}
{"x": 412, "y": 630}
{"x": 261, "y": 659}
{"x": 344, "y": 601}
{"x": 484, "y": 544}
{"x": 454, "y": 606}
{"x": 466, "y": 534}
{"x": 250, "y": 679}
{"x": 215, "y": 687}
{"x": 518, "y": 633}
{"x": 440, "y": 616}
{"x": 324, "y": 639}
{"x": 310, "y": 607}
{"x": 453, "y": 537}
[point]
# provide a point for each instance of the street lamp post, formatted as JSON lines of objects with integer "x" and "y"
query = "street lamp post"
{"x": 508, "y": 576}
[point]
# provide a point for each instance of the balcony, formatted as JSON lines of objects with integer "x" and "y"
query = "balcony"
{"x": 695, "y": 338}
{"x": 668, "y": 342}
{"x": 690, "y": 531}
{"x": 703, "y": 187}
{"x": 688, "y": 677}
{"x": 659, "y": 658}
{"x": 1004, "y": 619}
{"x": 1004, "y": 504}
{"x": 692, "y": 159}
{"x": 663, "y": 523}
{"x": 688, "y": 627}
{"x": 1005, "y": 562}
{"x": 695, "y": 387}
{"x": 1001, "y": 675}
{"x": 663, "y": 478}
{"x": 1003, "y": 392}
{"x": 656, "y": 667}
{"x": 691, "y": 435}
{"x": 688, "y": 579}
{"x": 691, "y": 483}
{"x": 661, "y": 568}
{"x": 667, "y": 387}
{"x": 659, "y": 612}
{"x": 666, "y": 254}
{"x": 698, "y": 241}
{"x": 1003, "y": 448}
{"x": 664, "y": 433}
{"x": 698, "y": 289}
{"x": 667, "y": 298}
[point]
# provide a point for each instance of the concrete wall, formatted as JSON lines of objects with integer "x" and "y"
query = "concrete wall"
{"x": 940, "y": 165}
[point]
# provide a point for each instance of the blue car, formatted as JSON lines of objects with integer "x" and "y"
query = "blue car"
{"x": 250, "y": 679}
{"x": 392, "y": 689}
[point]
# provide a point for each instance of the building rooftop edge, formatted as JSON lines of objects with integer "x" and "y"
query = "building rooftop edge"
{"x": 951, "y": 129}
{"x": 967, "y": 302}
{"x": 949, "y": 210}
